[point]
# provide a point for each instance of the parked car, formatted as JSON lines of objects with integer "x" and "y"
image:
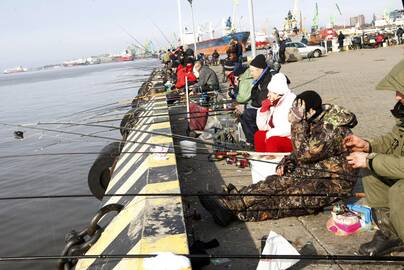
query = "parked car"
{"x": 306, "y": 50}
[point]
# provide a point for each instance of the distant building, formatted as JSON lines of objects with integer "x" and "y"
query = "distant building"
{"x": 357, "y": 21}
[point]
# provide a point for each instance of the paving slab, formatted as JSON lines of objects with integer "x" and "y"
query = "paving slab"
{"x": 347, "y": 79}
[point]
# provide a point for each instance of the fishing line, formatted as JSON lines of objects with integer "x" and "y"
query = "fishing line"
{"x": 333, "y": 258}
{"x": 199, "y": 194}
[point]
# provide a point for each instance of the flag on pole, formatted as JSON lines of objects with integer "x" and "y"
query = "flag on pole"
{"x": 339, "y": 10}
{"x": 190, "y": 1}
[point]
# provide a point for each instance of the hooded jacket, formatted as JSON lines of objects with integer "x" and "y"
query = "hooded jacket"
{"x": 317, "y": 165}
{"x": 389, "y": 160}
{"x": 207, "y": 79}
{"x": 279, "y": 114}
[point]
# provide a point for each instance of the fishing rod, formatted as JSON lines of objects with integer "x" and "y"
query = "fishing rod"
{"x": 130, "y": 129}
{"x": 177, "y": 113}
{"x": 88, "y": 153}
{"x": 333, "y": 258}
{"x": 244, "y": 154}
{"x": 209, "y": 113}
{"x": 158, "y": 122}
{"x": 162, "y": 33}
{"x": 167, "y": 135}
{"x": 95, "y": 136}
{"x": 93, "y": 108}
{"x": 135, "y": 39}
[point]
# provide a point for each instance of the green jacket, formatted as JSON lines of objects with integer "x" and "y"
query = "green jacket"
{"x": 244, "y": 87}
{"x": 389, "y": 160}
{"x": 394, "y": 81}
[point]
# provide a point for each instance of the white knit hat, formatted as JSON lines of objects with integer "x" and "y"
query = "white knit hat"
{"x": 278, "y": 84}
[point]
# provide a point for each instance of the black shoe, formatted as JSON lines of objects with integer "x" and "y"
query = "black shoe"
{"x": 380, "y": 245}
{"x": 222, "y": 215}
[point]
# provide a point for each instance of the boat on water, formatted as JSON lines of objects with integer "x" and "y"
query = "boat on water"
{"x": 15, "y": 70}
{"x": 220, "y": 44}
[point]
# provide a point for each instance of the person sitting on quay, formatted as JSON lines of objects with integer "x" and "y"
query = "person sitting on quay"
{"x": 261, "y": 75}
{"x": 272, "y": 118}
{"x": 184, "y": 73}
{"x": 317, "y": 165}
{"x": 383, "y": 159}
{"x": 207, "y": 78}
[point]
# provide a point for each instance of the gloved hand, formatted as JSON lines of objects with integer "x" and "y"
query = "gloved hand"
{"x": 265, "y": 105}
{"x": 296, "y": 113}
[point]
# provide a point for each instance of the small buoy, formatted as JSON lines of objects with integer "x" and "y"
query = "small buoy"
{"x": 18, "y": 134}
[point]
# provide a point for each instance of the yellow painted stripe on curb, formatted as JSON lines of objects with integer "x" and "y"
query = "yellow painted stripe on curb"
{"x": 171, "y": 243}
{"x": 116, "y": 226}
{"x": 160, "y": 125}
{"x": 159, "y": 139}
{"x": 152, "y": 163}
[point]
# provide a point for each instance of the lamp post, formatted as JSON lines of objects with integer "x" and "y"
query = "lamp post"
{"x": 180, "y": 22}
{"x": 193, "y": 25}
{"x": 252, "y": 28}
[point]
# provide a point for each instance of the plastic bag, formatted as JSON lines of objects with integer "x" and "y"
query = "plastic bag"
{"x": 277, "y": 245}
{"x": 167, "y": 261}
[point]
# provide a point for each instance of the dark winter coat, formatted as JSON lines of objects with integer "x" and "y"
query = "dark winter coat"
{"x": 317, "y": 165}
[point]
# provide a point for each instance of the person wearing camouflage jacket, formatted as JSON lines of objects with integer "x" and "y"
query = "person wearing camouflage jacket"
{"x": 383, "y": 160}
{"x": 317, "y": 165}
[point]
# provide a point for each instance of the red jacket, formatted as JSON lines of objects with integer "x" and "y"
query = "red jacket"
{"x": 379, "y": 38}
{"x": 183, "y": 72}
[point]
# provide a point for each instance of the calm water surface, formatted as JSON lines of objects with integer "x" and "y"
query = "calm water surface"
{"x": 38, "y": 227}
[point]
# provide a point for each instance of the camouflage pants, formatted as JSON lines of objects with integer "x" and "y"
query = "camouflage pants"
{"x": 258, "y": 208}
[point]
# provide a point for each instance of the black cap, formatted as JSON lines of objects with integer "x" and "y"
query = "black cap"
{"x": 312, "y": 100}
{"x": 259, "y": 62}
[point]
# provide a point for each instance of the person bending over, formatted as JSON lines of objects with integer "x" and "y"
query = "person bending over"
{"x": 207, "y": 78}
{"x": 383, "y": 158}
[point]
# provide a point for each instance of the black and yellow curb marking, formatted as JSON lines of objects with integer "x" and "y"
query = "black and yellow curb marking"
{"x": 146, "y": 224}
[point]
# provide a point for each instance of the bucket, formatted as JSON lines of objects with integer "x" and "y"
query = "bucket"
{"x": 188, "y": 148}
{"x": 261, "y": 169}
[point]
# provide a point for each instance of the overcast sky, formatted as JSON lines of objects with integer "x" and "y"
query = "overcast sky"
{"x": 36, "y": 32}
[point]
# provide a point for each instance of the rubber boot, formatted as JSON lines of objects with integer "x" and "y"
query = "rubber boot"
{"x": 385, "y": 240}
{"x": 221, "y": 214}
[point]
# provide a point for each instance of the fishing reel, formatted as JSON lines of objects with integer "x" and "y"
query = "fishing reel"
{"x": 232, "y": 158}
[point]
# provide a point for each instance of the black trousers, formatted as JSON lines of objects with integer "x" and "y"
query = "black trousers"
{"x": 249, "y": 124}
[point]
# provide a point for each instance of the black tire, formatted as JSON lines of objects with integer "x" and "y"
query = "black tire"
{"x": 129, "y": 120}
{"x": 100, "y": 172}
{"x": 317, "y": 53}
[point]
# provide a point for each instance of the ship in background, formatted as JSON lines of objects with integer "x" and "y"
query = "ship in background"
{"x": 15, "y": 70}
{"x": 210, "y": 44}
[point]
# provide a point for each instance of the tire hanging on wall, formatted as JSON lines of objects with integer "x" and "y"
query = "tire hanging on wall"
{"x": 100, "y": 172}
{"x": 129, "y": 121}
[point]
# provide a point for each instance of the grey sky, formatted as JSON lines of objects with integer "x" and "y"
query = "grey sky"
{"x": 35, "y": 32}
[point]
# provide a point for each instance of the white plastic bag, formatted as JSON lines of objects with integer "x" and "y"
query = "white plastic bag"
{"x": 277, "y": 245}
{"x": 167, "y": 261}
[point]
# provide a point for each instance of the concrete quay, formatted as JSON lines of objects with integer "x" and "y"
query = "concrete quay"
{"x": 347, "y": 79}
